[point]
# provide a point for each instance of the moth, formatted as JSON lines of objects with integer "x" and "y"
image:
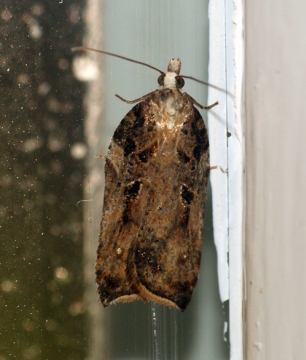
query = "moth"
{"x": 156, "y": 174}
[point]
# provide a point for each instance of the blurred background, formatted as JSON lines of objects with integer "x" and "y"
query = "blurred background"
{"x": 43, "y": 149}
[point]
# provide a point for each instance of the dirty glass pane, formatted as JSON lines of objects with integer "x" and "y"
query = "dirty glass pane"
{"x": 41, "y": 174}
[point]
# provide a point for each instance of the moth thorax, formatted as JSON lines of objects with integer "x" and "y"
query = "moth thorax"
{"x": 170, "y": 80}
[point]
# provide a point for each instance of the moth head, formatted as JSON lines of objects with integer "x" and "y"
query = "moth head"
{"x": 172, "y": 80}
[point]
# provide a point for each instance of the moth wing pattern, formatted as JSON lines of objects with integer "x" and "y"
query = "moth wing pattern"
{"x": 156, "y": 175}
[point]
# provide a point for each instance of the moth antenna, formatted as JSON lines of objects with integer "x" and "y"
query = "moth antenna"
{"x": 81, "y": 48}
{"x": 208, "y": 84}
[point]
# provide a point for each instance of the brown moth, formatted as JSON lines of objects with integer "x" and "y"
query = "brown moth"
{"x": 156, "y": 175}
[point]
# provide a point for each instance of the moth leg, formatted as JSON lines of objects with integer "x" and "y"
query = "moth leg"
{"x": 220, "y": 168}
{"x": 136, "y": 100}
{"x": 201, "y": 106}
{"x": 207, "y": 107}
{"x": 100, "y": 157}
{"x": 111, "y": 161}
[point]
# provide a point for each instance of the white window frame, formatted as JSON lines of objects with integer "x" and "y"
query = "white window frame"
{"x": 226, "y": 124}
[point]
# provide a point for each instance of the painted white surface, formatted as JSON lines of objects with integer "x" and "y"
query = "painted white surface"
{"x": 227, "y": 150}
{"x": 276, "y": 180}
{"x": 217, "y": 123}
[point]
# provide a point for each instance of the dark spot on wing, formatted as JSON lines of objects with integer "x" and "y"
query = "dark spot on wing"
{"x": 129, "y": 146}
{"x": 131, "y": 191}
{"x": 183, "y": 157}
{"x": 186, "y": 195}
{"x": 200, "y": 133}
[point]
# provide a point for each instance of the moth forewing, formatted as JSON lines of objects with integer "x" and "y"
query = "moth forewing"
{"x": 156, "y": 175}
